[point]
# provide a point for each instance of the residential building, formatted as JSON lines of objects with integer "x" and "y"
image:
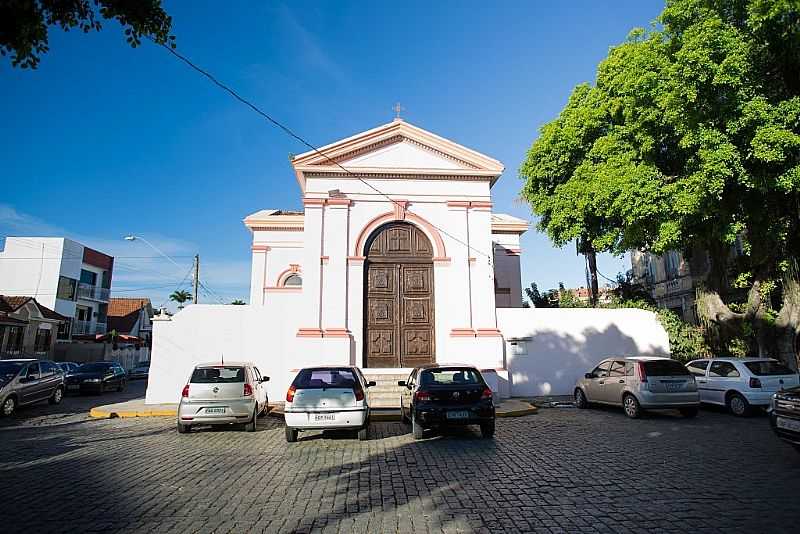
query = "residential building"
{"x": 130, "y": 317}
{"x": 63, "y": 275}
{"x": 669, "y": 280}
{"x": 27, "y": 328}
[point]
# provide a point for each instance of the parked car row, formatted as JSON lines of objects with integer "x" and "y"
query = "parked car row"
{"x": 27, "y": 381}
{"x": 335, "y": 398}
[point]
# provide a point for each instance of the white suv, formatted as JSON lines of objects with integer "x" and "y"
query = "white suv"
{"x": 740, "y": 383}
{"x": 327, "y": 398}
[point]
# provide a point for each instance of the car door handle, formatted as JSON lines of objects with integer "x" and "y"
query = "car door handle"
{"x": 621, "y": 382}
{"x": 602, "y": 381}
{"x": 702, "y": 381}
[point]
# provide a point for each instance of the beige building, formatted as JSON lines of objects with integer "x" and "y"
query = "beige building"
{"x": 27, "y": 329}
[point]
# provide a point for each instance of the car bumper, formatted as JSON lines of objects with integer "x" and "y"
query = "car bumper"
{"x": 326, "y": 420}
{"x": 84, "y": 387}
{"x": 234, "y": 411}
{"x": 655, "y": 401}
{"x": 758, "y": 398}
{"x": 427, "y": 415}
{"x": 133, "y": 376}
{"x": 791, "y": 436}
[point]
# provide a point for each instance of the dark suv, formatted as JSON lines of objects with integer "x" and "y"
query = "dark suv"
{"x": 447, "y": 395}
{"x": 27, "y": 381}
{"x": 785, "y": 415}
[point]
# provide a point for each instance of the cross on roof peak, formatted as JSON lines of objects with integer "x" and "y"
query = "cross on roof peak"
{"x": 397, "y": 108}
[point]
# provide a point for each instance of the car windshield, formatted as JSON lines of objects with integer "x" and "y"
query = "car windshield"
{"x": 665, "y": 368}
{"x": 218, "y": 375}
{"x": 449, "y": 377}
{"x": 9, "y": 370}
{"x": 768, "y": 368}
{"x": 94, "y": 367}
{"x": 325, "y": 378}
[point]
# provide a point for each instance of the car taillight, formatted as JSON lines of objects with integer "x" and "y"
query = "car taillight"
{"x": 422, "y": 396}
{"x": 248, "y": 390}
{"x": 359, "y": 393}
{"x": 640, "y": 371}
{"x": 185, "y": 392}
{"x": 755, "y": 382}
{"x": 290, "y": 394}
{"x": 487, "y": 393}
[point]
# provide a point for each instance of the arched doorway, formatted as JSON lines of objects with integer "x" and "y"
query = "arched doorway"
{"x": 398, "y": 297}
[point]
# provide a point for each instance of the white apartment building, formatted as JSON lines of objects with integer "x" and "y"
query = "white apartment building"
{"x": 63, "y": 275}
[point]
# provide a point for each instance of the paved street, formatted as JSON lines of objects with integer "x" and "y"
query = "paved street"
{"x": 562, "y": 470}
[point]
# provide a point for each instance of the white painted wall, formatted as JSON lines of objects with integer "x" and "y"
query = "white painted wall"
{"x": 547, "y": 350}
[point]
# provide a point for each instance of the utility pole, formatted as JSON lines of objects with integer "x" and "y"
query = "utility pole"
{"x": 196, "y": 277}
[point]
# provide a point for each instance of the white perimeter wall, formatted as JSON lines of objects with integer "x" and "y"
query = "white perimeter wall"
{"x": 204, "y": 333}
{"x": 547, "y": 350}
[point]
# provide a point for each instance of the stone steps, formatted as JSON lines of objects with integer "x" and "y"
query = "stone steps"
{"x": 385, "y": 393}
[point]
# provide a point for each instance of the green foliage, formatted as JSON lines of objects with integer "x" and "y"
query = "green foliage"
{"x": 238, "y": 302}
{"x": 690, "y": 137}
{"x": 181, "y": 296}
{"x": 24, "y": 34}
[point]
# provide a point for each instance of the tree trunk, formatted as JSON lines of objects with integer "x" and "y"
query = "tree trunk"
{"x": 591, "y": 256}
{"x": 787, "y": 324}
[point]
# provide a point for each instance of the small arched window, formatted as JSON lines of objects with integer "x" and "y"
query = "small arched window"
{"x": 294, "y": 280}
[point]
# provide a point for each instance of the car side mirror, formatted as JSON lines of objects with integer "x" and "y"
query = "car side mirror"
{"x": 371, "y": 383}
{"x": 401, "y": 383}
{"x": 589, "y": 376}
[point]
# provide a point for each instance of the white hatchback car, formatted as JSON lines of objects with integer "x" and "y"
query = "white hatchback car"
{"x": 740, "y": 383}
{"x": 327, "y": 398}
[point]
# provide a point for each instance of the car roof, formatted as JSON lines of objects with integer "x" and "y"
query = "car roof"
{"x": 19, "y": 360}
{"x": 225, "y": 364}
{"x": 444, "y": 365}
{"x": 637, "y": 358}
{"x": 734, "y": 360}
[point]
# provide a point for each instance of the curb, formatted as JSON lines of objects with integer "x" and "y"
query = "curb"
{"x": 102, "y": 412}
{"x": 530, "y": 410}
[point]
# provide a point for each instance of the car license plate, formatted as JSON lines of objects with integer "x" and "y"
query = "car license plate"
{"x": 462, "y": 414}
{"x": 673, "y": 386}
{"x": 324, "y": 417}
{"x": 215, "y": 410}
{"x": 788, "y": 424}
{"x": 73, "y": 387}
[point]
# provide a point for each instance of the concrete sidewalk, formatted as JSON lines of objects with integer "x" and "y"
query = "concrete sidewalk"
{"x": 137, "y": 408}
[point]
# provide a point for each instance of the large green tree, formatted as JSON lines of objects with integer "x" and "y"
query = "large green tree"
{"x": 24, "y": 24}
{"x": 690, "y": 139}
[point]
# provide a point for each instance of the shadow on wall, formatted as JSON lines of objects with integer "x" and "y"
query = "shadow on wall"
{"x": 549, "y": 362}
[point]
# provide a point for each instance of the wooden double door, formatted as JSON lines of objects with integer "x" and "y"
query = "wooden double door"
{"x": 399, "y": 305}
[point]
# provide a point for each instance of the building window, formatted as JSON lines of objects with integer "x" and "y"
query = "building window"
{"x": 64, "y": 329}
{"x": 88, "y": 277}
{"x": 42, "y": 343}
{"x": 672, "y": 264}
{"x": 294, "y": 280}
{"x": 66, "y": 288}
{"x": 15, "y": 336}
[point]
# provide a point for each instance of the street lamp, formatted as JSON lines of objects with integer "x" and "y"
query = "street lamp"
{"x": 196, "y": 280}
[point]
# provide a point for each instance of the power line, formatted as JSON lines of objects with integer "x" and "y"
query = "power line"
{"x": 292, "y": 134}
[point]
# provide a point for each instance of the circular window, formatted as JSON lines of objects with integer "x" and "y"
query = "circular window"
{"x": 293, "y": 281}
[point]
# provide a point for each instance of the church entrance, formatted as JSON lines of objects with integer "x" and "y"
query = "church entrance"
{"x": 398, "y": 298}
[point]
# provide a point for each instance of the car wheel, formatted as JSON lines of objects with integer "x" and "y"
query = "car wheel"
{"x": 631, "y": 406}
{"x": 9, "y": 405}
{"x": 688, "y": 412}
{"x": 57, "y": 396}
{"x": 121, "y": 387}
{"x": 487, "y": 430}
{"x": 250, "y": 426}
{"x": 416, "y": 429}
{"x": 580, "y": 399}
{"x": 363, "y": 433}
{"x": 738, "y": 405}
{"x": 184, "y": 429}
{"x": 291, "y": 434}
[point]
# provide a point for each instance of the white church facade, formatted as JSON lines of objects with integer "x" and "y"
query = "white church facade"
{"x": 396, "y": 260}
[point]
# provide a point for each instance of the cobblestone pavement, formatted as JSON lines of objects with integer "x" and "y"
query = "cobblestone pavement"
{"x": 562, "y": 470}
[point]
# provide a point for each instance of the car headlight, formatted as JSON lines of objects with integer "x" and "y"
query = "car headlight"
{"x": 93, "y": 380}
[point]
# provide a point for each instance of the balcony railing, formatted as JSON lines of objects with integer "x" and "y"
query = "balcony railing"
{"x": 90, "y": 292}
{"x": 88, "y": 328}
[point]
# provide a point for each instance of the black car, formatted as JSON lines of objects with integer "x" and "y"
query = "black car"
{"x": 785, "y": 416}
{"x": 447, "y": 395}
{"x": 97, "y": 377}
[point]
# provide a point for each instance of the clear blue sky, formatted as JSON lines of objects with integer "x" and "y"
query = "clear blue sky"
{"x": 104, "y": 140}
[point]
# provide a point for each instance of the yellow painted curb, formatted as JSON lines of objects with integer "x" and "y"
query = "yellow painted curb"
{"x": 518, "y": 413}
{"x": 101, "y": 413}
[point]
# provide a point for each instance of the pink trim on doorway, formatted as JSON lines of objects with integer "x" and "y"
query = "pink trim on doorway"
{"x": 283, "y": 289}
{"x": 336, "y": 332}
{"x": 313, "y": 202}
{"x": 462, "y": 332}
{"x": 488, "y": 332}
{"x": 259, "y": 248}
{"x": 309, "y": 332}
{"x": 425, "y": 226}
{"x": 339, "y": 202}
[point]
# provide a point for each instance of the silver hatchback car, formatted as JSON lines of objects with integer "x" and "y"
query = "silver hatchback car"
{"x": 639, "y": 383}
{"x": 221, "y": 394}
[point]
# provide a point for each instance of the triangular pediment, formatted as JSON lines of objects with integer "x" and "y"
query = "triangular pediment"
{"x": 398, "y": 148}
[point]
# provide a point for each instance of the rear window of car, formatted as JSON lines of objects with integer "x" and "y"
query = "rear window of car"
{"x": 325, "y": 378}
{"x": 449, "y": 377}
{"x": 217, "y": 375}
{"x": 94, "y": 367}
{"x": 665, "y": 368}
{"x": 767, "y": 368}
